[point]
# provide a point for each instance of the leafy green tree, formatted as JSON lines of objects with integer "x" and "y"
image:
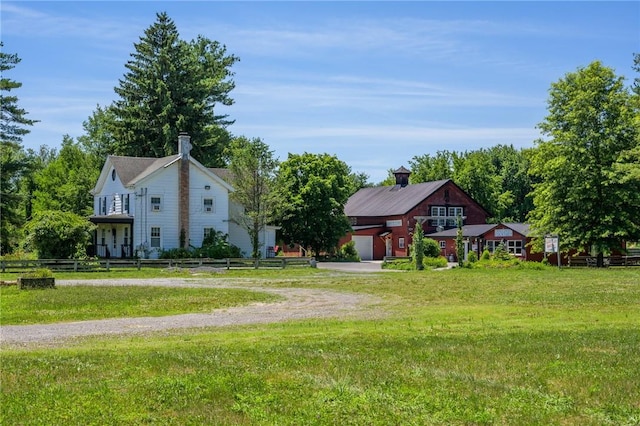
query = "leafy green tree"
{"x": 58, "y": 235}
{"x": 459, "y": 241}
{"x": 358, "y": 181}
{"x": 98, "y": 141}
{"x": 14, "y": 162}
{"x": 253, "y": 170}
{"x": 425, "y": 168}
{"x": 515, "y": 184}
{"x": 581, "y": 195}
{"x": 315, "y": 188}
{"x": 66, "y": 181}
{"x": 476, "y": 174}
{"x": 417, "y": 247}
{"x": 173, "y": 86}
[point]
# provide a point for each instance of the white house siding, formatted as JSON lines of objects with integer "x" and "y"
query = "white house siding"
{"x": 199, "y": 219}
{"x": 239, "y": 237}
{"x": 164, "y": 184}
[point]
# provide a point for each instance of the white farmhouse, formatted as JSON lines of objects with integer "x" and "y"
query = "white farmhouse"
{"x": 144, "y": 205}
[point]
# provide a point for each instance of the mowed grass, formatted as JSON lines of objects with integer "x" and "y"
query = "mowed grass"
{"x": 78, "y": 303}
{"x": 512, "y": 347}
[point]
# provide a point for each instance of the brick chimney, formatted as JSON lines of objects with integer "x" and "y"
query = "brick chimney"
{"x": 184, "y": 148}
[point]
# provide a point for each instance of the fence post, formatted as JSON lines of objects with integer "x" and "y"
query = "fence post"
{"x": 138, "y": 264}
{"x": 3, "y": 265}
{"x": 107, "y": 265}
{"x": 75, "y": 265}
{"x": 284, "y": 262}
{"x": 228, "y": 263}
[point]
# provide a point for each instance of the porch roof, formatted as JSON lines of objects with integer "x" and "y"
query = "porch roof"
{"x": 112, "y": 218}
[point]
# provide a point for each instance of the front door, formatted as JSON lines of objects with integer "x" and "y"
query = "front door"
{"x": 389, "y": 246}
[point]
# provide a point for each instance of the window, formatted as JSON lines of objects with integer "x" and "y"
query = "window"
{"x": 401, "y": 242}
{"x": 455, "y": 211}
{"x": 103, "y": 206}
{"x": 126, "y": 235}
{"x": 126, "y": 204}
{"x": 155, "y": 236}
{"x": 443, "y": 245}
{"x": 208, "y": 205}
{"x": 156, "y": 203}
{"x": 113, "y": 174}
{"x": 492, "y": 245}
{"x": 438, "y": 211}
{"x": 103, "y": 239}
{"x": 208, "y": 232}
{"x": 515, "y": 247}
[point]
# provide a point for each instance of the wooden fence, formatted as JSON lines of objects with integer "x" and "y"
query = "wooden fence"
{"x": 70, "y": 265}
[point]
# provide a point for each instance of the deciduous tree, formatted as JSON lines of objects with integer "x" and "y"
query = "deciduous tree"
{"x": 253, "y": 170}
{"x": 581, "y": 196}
{"x": 315, "y": 188}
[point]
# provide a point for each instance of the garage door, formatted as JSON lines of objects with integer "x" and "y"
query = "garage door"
{"x": 364, "y": 246}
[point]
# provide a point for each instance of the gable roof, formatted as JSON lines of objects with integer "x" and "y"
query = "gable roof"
{"x": 132, "y": 169}
{"x": 390, "y": 200}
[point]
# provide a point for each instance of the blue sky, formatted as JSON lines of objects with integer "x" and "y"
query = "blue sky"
{"x": 375, "y": 83}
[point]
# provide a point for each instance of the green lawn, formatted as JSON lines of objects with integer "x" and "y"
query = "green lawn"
{"x": 78, "y": 303}
{"x": 513, "y": 347}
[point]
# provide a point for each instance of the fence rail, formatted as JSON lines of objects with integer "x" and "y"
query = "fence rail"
{"x": 98, "y": 265}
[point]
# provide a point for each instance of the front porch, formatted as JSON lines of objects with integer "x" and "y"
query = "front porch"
{"x": 113, "y": 237}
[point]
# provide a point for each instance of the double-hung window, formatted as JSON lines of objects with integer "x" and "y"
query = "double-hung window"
{"x": 155, "y": 236}
{"x": 207, "y": 204}
{"x": 438, "y": 215}
{"x": 156, "y": 204}
{"x": 515, "y": 247}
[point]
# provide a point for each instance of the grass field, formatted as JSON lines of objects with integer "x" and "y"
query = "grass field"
{"x": 468, "y": 346}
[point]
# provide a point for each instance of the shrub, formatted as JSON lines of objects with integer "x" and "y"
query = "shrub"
{"x": 501, "y": 253}
{"x": 348, "y": 252}
{"x": 431, "y": 247}
{"x": 58, "y": 235}
{"x": 486, "y": 255}
{"x": 472, "y": 257}
{"x": 435, "y": 262}
{"x": 39, "y": 273}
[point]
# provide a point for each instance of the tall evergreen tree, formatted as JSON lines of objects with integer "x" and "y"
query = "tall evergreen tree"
{"x": 173, "y": 86}
{"x": 581, "y": 195}
{"x": 13, "y": 161}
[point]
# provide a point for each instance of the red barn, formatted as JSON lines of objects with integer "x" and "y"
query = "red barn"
{"x": 383, "y": 218}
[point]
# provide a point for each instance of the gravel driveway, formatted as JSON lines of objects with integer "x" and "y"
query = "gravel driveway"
{"x": 299, "y": 303}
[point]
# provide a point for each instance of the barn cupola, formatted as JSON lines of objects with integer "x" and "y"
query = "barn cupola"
{"x": 402, "y": 176}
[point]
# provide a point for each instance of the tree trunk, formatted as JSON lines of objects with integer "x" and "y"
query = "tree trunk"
{"x": 600, "y": 260}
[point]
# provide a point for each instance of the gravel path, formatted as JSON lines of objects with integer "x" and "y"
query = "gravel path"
{"x": 299, "y": 303}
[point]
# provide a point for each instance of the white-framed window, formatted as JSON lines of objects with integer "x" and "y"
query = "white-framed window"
{"x": 126, "y": 204}
{"x": 207, "y": 205}
{"x": 515, "y": 247}
{"x": 401, "y": 242}
{"x": 155, "y": 236}
{"x": 438, "y": 211}
{"x": 103, "y": 238}
{"x": 455, "y": 211}
{"x": 443, "y": 244}
{"x": 492, "y": 245}
{"x": 207, "y": 232}
{"x": 156, "y": 203}
{"x": 126, "y": 235}
{"x": 103, "y": 206}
